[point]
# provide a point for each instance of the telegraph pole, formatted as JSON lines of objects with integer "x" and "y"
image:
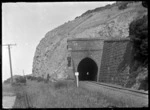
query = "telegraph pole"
{"x": 24, "y": 75}
{"x": 23, "y": 72}
{"x": 9, "y": 52}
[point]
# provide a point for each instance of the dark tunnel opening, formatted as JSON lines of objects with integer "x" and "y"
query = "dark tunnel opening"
{"x": 87, "y": 69}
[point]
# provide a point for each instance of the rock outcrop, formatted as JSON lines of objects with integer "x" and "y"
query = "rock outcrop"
{"x": 107, "y": 22}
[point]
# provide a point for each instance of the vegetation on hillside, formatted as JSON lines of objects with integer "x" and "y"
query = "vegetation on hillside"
{"x": 109, "y": 6}
{"x": 138, "y": 31}
{"x": 145, "y": 4}
{"x": 97, "y": 9}
{"x": 123, "y": 6}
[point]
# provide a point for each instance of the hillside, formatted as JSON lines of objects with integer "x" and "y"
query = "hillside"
{"x": 103, "y": 22}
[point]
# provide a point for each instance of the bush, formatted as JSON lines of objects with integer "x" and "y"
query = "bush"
{"x": 123, "y": 6}
{"x": 21, "y": 80}
{"x": 39, "y": 79}
{"x": 145, "y": 4}
{"x": 31, "y": 78}
{"x": 144, "y": 84}
{"x": 60, "y": 84}
{"x": 7, "y": 81}
{"x": 138, "y": 31}
{"x": 34, "y": 78}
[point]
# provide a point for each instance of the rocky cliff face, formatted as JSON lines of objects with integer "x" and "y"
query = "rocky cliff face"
{"x": 110, "y": 22}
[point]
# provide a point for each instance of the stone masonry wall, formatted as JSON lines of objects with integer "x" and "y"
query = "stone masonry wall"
{"x": 114, "y": 69}
{"x": 83, "y": 48}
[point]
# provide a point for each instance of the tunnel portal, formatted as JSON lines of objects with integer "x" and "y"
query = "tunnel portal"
{"x": 87, "y": 69}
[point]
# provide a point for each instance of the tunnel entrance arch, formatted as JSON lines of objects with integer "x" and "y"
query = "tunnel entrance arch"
{"x": 87, "y": 69}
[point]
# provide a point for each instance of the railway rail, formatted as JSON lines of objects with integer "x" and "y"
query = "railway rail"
{"x": 27, "y": 101}
{"x": 23, "y": 98}
{"x": 119, "y": 87}
{"x": 129, "y": 97}
{"x": 132, "y": 98}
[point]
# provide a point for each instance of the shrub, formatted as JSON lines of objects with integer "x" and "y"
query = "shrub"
{"x": 34, "y": 78}
{"x": 28, "y": 77}
{"x": 138, "y": 31}
{"x": 39, "y": 79}
{"x": 21, "y": 80}
{"x": 7, "y": 81}
{"x": 145, "y": 4}
{"x": 144, "y": 84}
{"x": 60, "y": 84}
{"x": 31, "y": 78}
{"x": 123, "y": 6}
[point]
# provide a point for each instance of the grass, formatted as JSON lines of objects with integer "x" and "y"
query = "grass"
{"x": 68, "y": 96}
{"x": 7, "y": 90}
{"x": 63, "y": 94}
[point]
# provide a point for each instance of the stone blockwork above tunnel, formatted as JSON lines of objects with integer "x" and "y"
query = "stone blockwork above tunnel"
{"x": 116, "y": 60}
{"x": 81, "y": 48}
{"x": 80, "y": 44}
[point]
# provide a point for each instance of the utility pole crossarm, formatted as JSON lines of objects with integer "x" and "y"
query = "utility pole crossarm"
{"x": 9, "y": 44}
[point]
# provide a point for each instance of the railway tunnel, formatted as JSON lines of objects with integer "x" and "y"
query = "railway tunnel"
{"x": 85, "y": 55}
{"x": 87, "y": 69}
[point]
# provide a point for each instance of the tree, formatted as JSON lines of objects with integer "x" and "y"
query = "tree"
{"x": 145, "y": 4}
{"x": 123, "y": 6}
{"x": 138, "y": 31}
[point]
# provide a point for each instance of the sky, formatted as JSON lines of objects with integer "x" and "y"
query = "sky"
{"x": 25, "y": 24}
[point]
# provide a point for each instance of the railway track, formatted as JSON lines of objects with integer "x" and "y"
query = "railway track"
{"x": 27, "y": 101}
{"x": 118, "y": 87}
{"x": 132, "y": 98}
{"x": 23, "y": 98}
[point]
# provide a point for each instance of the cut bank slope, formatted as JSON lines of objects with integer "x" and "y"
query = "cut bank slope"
{"x": 110, "y": 22}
